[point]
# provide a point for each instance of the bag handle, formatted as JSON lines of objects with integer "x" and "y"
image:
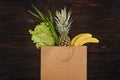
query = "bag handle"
{"x": 63, "y": 53}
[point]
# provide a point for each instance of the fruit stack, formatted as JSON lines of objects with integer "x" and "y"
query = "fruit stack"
{"x": 54, "y": 32}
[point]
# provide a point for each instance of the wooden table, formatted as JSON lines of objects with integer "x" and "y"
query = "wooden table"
{"x": 19, "y": 59}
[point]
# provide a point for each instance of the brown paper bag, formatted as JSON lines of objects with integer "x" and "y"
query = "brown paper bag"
{"x": 64, "y": 63}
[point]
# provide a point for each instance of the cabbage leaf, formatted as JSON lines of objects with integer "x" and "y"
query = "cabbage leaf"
{"x": 42, "y": 35}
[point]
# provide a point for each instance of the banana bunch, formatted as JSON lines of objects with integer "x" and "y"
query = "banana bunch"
{"x": 83, "y": 38}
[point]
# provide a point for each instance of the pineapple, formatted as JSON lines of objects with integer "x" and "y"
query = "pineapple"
{"x": 63, "y": 25}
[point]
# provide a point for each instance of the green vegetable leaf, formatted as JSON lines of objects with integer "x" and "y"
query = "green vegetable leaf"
{"x": 33, "y": 13}
{"x": 42, "y": 36}
{"x": 49, "y": 22}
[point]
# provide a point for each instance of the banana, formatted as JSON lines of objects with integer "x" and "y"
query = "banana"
{"x": 89, "y": 40}
{"x": 75, "y": 38}
{"x": 80, "y": 38}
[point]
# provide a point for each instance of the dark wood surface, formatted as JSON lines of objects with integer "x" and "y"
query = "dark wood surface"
{"x": 19, "y": 59}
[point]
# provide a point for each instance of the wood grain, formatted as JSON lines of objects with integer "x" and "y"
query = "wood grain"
{"x": 19, "y": 59}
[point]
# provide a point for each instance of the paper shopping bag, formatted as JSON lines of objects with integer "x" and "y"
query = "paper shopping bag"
{"x": 64, "y": 63}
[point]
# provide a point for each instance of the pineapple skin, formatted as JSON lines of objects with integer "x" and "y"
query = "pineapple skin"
{"x": 64, "y": 40}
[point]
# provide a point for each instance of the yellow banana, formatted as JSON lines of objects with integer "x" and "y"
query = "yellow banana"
{"x": 75, "y": 38}
{"x": 89, "y": 40}
{"x": 81, "y": 38}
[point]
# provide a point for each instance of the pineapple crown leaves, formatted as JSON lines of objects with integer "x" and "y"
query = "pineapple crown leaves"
{"x": 42, "y": 17}
{"x": 63, "y": 21}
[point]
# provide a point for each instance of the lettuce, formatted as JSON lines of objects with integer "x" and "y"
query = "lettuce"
{"x": 49, "y": 21}
{"x": 42, "y": 35}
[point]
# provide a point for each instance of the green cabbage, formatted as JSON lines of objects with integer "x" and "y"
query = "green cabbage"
{"x": 42, "y": 35}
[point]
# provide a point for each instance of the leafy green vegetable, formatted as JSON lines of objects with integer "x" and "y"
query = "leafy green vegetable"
{"x": 42, "y": 35}
{"x": 48, "y": 21}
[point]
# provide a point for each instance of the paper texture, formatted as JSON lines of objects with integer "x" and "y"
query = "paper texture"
{"x": 64, "y": 63}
